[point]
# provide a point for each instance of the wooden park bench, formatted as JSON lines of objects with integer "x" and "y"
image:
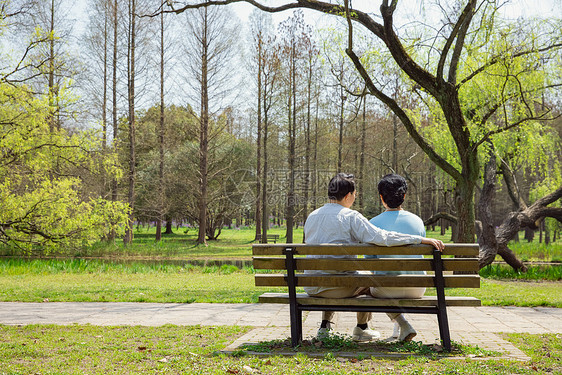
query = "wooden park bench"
{"x": 291, "y": 260}
{"x": 270, "y": 237}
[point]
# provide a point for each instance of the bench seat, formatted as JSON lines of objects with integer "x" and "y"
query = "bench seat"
{"x": 303, "y": 298}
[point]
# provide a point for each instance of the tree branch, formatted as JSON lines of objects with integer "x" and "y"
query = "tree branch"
{"x": 500, "y": 58}
{"x": 459, "y": 30}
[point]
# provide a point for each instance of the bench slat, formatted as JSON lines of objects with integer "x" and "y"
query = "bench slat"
{"x": 305, "y": 299}
{"x": 334, "y": 280}
{"x": 363, "y": 249}
{"x": 388, "y": 264}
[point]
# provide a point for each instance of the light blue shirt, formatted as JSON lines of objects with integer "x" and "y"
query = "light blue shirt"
{"x": 334, "y": 223}
{"x": 400, "y": 221}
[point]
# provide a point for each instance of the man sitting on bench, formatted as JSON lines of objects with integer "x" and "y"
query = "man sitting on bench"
{"x": 335, "y": 222}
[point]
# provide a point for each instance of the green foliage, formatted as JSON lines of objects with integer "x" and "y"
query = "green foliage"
{"x": 44, "y": 203}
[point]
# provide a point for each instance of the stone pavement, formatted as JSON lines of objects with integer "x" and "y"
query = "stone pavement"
{"x": 468, "y": 325}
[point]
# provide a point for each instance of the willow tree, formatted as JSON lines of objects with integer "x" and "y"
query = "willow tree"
{"x": 433, "y": 60}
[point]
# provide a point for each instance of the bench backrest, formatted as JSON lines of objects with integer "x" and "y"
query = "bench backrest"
{"x": 292, "y": 259}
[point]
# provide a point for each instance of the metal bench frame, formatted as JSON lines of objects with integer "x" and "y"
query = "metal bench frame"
{"x": 296, "y": 308}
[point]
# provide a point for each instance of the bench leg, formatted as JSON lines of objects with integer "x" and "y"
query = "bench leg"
{"x": 444, "y": 328}
{"x": 296, "y": 326}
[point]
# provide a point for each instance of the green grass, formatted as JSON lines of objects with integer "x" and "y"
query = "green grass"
{"x": 85, "y": 349}
{"x": 545, "y": 350}
{"x": 335, "y": 343}
{"x": 237, "y": 244}
{"x": 99, "y": 281}
{"x": 537, "y": 273}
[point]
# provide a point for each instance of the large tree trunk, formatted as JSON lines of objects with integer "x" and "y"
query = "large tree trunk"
{"x": 494, "y": 242}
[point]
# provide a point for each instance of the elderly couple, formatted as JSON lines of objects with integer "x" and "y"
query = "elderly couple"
{"x": 335, "y": 222}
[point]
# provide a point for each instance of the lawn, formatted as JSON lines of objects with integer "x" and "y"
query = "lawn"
{"x": 100, "y": 281}
{"x": 85, "y": 349}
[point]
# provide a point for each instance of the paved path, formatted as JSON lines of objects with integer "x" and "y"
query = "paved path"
{"x": 470, "y": 325}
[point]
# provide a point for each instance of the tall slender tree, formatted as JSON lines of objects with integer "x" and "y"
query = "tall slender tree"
{"x": 211, "y": 43}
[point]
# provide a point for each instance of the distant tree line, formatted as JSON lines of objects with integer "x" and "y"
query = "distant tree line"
{"x": 196, "y": 118}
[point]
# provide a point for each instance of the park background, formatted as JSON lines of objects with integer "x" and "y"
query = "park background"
{"x": 132, "y": 169}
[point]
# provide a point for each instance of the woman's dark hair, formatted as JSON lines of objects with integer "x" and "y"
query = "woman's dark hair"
{"x": 340, "y": 185}
{"x": 392, "y": 188}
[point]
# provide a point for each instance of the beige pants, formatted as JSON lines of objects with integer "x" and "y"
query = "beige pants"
{"x": 396, "y": 293}
{"x": 362, "y": 317}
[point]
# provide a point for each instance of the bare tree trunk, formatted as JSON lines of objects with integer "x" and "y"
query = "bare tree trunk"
{"x": 264, "y": 211}
{"x": 114, "y": 103}
{"x": 105, "y": 84}
{"x": 362, "y": 154}
{"x": 306, "y": 174}
{"x": 203, "y": 137}
{"x": 132, "y": 139}
{"x": 315, "y": 155}
{"x": 340, "y": 140}
{"x": 51, "y": 73}
{"x": 259, "y": 139}
{"x": 291, "y": 193}
{"x": 161, "y": 138}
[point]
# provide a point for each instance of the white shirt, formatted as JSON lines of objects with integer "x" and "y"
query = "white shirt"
{"x": 334, "y": 223}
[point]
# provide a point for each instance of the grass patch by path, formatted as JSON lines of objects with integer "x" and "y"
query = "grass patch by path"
{"x": 545, "y": 350}
{"x": 81, "y": 349}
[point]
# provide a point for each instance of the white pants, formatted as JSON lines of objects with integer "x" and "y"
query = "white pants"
{"x": 388, "y": 292}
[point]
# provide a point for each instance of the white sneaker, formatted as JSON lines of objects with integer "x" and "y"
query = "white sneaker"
{"x": 396, "y": 331}
{"x": 407, "y": 332}
{"x": 362, "y": 335}
{"x": 324, "y": 332}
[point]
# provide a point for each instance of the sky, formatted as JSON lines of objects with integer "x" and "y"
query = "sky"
{"x": 408, "y": 8}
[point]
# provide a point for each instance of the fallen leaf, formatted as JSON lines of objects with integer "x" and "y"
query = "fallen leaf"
{"x": 267, "y": 363}
{"x": 341, "y": 359}
{"x": 248, "y": 369}
{"x": 535, "y": 368}
{"x": 354, "y": 360}
{"x": 231, "y": 371}
{"x": 163, "y": 360}
{"x": 141, "y": 348}
{"x": 45, "y": 300}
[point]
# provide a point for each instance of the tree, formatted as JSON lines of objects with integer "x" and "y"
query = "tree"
{"x": 293, "y": 38}
{"x": 45, "y": 205}
{"x": 131, "y": 73}
{"x": 438, "y": 77}
{"x": 211, "y": 44}
{"x": 161, "y": 185}
{"x": 50, "y": 63}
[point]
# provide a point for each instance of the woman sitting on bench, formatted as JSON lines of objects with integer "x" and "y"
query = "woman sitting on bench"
{"x": 392, "y": 190}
